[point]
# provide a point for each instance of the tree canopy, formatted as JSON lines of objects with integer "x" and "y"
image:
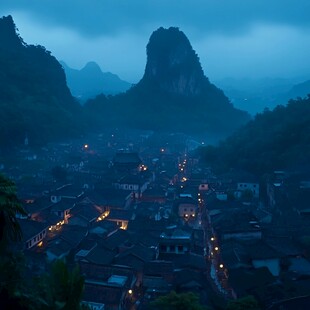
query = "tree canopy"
{"x": 278, "y": 139}
{"x": 182, "y": 301}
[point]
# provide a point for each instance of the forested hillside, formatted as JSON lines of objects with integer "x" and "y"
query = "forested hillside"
{"x": 34, "y": 97}
{"x": 278, "y": 139}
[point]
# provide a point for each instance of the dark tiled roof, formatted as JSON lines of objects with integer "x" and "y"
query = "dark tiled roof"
{"x": 87, "y": 211}
{"x": 300, "y": 303}
{"x": 284, "y": 245}
{"x": 102, "y": 294}
{"x": 243, "y": 280}
{"x": 143, "y": 253}
{"x": 119, "y": 214}
{"x": 144, "y": 225}
{"x": 47, "y": 217}
{"x": 131, "y": 261}
{"x": 131, "y": 179}
{"x": 116, "y": 239}
{"x": 63, "y": 204}
{"x": 126, "y": 158}
{"x": 186, "y": 276}
{"x": 100, "y": 256}
{"x": 31, "y": 228}
{"x": 73, "y": 234}
{"x": 68, "y": 190}
{"x": 157, "y": 283}
{"x": 261, "y": 250}
{"x": 103, "y": 228}
{"x": 158, "y": 267}
{"x": 38, "y": 204}
{"x": 234, "y": 254}
{"x": 59, "y": 247}
{"x": 191, "y": 261}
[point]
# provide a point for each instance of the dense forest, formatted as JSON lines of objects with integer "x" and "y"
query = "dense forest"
{"x": 278, "y": 139}
{"x": 34, "y": 97}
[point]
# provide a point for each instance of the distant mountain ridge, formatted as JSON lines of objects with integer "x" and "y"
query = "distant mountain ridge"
{"x": 299, "y": 90}
{"x": 90, "y": 81}
{"x": 254, "y": 95}
{"x": 173, "y": 94}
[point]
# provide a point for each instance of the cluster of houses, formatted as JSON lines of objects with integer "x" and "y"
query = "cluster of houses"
{"x": 133, "y": 236}
{"x": 255, "y": 245}
{"x": 140, "y": 229}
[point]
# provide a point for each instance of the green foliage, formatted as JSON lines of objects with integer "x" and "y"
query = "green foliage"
{"x": 277, "y": 139}
{"x": 245, "y": 303}
{"x": 34, "y": 97}
{"x": 61, "y": 288}
{"x": 9, "y": 206}
{"x": 183, "y": 301}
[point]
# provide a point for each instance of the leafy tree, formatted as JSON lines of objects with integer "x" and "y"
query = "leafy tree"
{"x": 11, "y": 264}
{"x": 9, "y": 207}
{"x": 278, "y": 139}
{"x": 183, "y": 301}
{"x": 245, "y": 303}
{"x": 62, "y": 288}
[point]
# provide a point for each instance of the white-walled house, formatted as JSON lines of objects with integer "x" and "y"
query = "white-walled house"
{"x": 253, "y": 187}
{"x": 133, "y": 183}
{"x": 33, "y": 232}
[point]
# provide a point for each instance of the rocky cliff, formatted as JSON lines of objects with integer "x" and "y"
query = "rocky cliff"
{"x": 173, "y": 94}
{"x": 172, "y": 63}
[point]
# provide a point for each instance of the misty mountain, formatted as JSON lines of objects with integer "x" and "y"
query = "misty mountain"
{"x": 173, "y": 94}
{"x": 254, "y": 95}
{"x": 299, "y": 90}
{"x": 34, "y": 97}
{"x": 274, "y": 140}
{"x": 90, "y": 81}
